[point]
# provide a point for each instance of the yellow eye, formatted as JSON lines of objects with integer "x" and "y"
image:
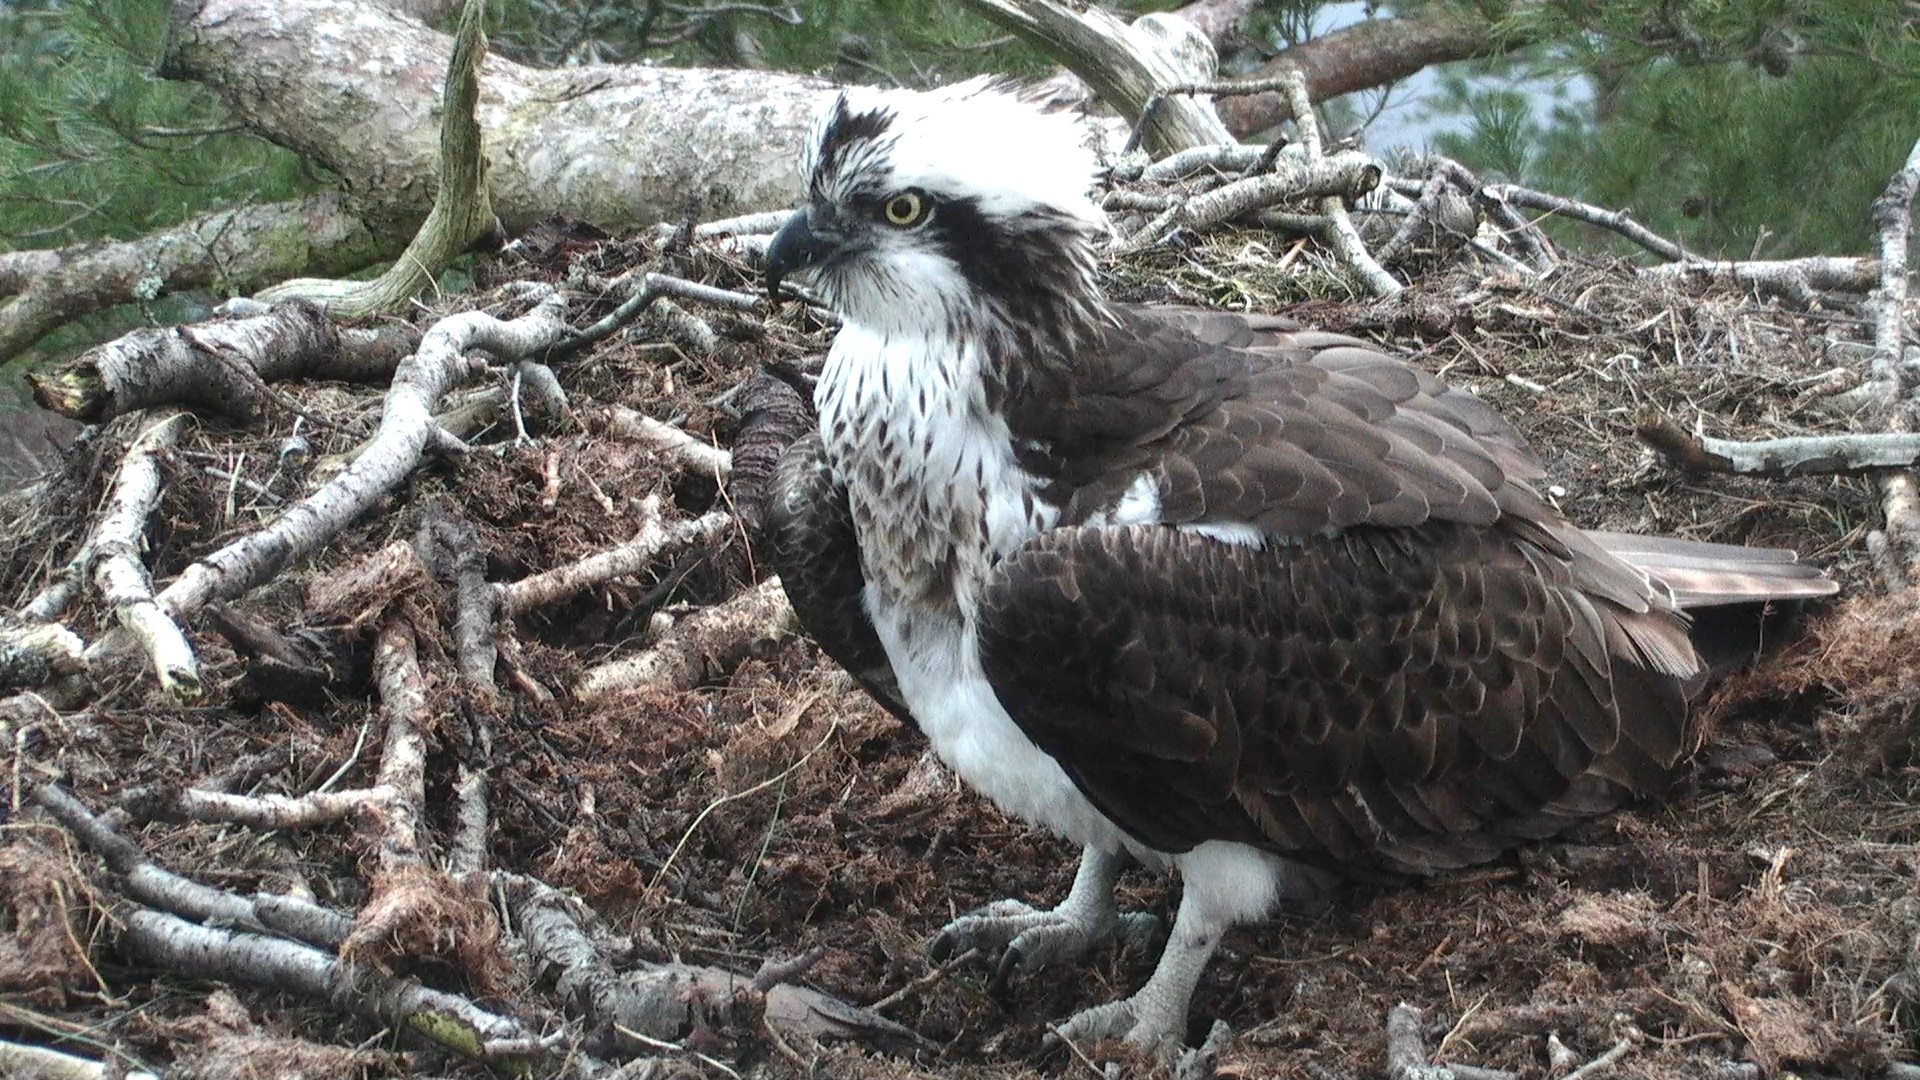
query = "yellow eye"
{"x": 905, "y": 210}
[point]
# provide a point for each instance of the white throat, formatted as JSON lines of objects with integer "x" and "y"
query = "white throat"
{"x": 936, "y": 492}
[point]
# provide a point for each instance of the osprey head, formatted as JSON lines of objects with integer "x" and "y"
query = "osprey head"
{"x": 949, "y": 211}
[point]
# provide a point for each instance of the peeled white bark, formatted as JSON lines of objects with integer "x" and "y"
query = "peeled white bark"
{"x": 121, "y": 573}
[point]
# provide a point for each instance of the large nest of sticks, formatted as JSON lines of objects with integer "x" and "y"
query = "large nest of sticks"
{"x": 454, "y": 797}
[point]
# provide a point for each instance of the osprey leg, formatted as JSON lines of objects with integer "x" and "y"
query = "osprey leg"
{"x": 1030, "y": 940}
{"x": 1158, "y": 1011}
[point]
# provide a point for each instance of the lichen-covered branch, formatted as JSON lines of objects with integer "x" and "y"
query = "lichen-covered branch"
{"x": 240, "y": 249}
{"x": 120, "y": 570}
{"x": 205, "y": 952}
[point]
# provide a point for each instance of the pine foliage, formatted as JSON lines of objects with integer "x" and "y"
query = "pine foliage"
{"x": 93, "y": 144}
{"x": 1741, "y": 127}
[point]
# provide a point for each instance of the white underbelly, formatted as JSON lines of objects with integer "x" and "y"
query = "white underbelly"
{"x": 937, "y": 663}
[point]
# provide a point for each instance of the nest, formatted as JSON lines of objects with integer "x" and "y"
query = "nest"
{"x": 1761, "y": 918}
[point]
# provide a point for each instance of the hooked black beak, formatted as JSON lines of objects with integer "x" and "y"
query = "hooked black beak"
{"x": 794, "y": 247}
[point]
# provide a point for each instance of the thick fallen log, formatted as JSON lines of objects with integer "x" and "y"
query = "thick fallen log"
{"x": 462, "y": 213}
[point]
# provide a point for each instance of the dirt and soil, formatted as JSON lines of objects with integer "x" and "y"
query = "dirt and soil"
{"x": 1765, "y": 917}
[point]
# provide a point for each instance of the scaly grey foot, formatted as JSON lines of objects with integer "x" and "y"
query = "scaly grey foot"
{"x": 1145, "y": 1020}
{"x": 1029, "y": 940}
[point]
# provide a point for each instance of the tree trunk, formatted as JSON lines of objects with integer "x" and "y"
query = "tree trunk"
{"x": 356, "y": 88}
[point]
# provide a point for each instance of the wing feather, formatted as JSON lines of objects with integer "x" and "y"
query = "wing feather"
{"x": 1392, "y": 699}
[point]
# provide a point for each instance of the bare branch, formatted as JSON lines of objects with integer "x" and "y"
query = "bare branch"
{"x": 642, "y": 294}
{"x": 1407, "y": 1053}
{"x": 1294, "y": 176}
{"x": 1618, "y": 221}
{"x": 221, "y": 366}
{"x": 1807, "y": 456}
{"x": 710, "y": 640}
{"x": 120, "y": 571}
{"x": 401, "y": 781}
{"x": 406, "y": 430}
{"x": 389, "y": 812}
{"x": 1339, "y": 234}
{"x": 153, "y": 885}
{"x": 1794, "y": 279}
{"x": 1374, "y": 52}
{"x": 621, "y": 422}
{"x": 653, "y": 537}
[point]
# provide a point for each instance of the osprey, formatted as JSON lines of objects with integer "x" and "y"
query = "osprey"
{"x": 1259, "y": 606}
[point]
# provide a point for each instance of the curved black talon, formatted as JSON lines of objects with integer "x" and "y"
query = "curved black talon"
{"x": 1001, "y": 984}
